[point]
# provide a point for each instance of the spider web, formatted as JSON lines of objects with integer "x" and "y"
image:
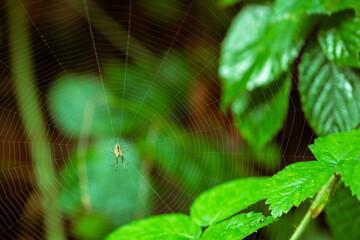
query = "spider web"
{"x": 130, "y": 73}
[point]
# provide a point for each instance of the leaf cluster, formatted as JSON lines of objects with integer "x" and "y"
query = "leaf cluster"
{"x": 256, "y": 66}
{"x": 224, "y": 210}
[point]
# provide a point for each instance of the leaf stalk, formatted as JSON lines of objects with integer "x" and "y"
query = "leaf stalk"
{"x": 317, "y": 206}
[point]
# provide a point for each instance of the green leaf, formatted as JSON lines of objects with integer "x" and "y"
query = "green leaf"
{"x": 238, "y": 227}
{"x": 71, "y": 96}
{"x": 259, "y": 48}
{"x": 191, "y": 160}
{"x": 337, "y": 147}
{"x": 343, "y": 215}
{"x": 260, "y": 114}
{"x": 139, "y": 97}
{"x": 114, "y": 195}
{"x": 315, "y": 6}
{"x": 167, "y": 226}
{"x": 330, "y": 94}
{"x": 297, "y": 182}
{"x": 339, "y": 38}
{"x": 153, "y": 91}
{"x": 268, "y": 157}
{"x": 227, "y": 199}
{"x": 128, "y": 82}
{"x": 174, "y": 78}
{"x": 350, "y": 172}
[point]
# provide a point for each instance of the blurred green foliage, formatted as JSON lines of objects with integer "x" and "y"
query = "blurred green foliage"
{"x": 68, "y": 99}
{"x": 115, "y": 196}
{"x": 143, "y": 97}
{"x": 269, "y": 157}
{"x": 192, "y": 161}
{"x": 166, "y": 12}
{"x": 134, "y": 104}
{"x": 343, "y": 202}
{"x": 90, "y": 226}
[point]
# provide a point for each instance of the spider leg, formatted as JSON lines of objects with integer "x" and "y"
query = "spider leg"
{"x": 116, "y": 163}
{"x": 124, "y": 167}
{"x": 123, "y": 162}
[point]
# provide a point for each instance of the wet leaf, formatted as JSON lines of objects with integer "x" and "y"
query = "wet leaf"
{"x": 339, "y": 38}
{"x": 258, "y": 49}
{"x": 167, "y": 226}
{"x": 330, "y": 94}
{"x": 337, "y": 147}
{"x": 315, "y": 6}
{"x": 227, "y": 199}
{"x": 350, "y": 172}
{"x": 238, "y": 227}
{"x": 293, "y": 185}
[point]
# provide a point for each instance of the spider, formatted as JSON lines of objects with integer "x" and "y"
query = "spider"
{"x": 119, "y": 153}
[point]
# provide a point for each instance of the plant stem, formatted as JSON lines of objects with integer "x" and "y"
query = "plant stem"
{"x": 81, "y": 155}
{"x": 32, "y": 119}
{"x": 317, "y": 206}
{"x": 300, "y": 229}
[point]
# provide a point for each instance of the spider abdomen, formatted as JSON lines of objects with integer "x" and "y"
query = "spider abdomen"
{"x": 118, "y": 151}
